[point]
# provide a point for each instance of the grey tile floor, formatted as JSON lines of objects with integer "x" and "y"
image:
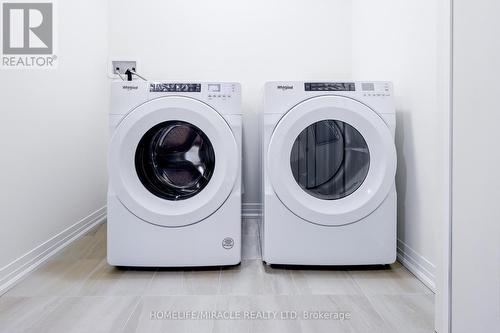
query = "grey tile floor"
{"x": 76, "y": 291}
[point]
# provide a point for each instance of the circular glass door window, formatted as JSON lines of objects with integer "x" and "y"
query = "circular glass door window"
{"x": 174, "y": 160}
{"x": 330, "y": 159}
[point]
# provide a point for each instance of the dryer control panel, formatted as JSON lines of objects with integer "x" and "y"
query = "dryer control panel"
{"x": 377, "y": 89}
{"x": 281, "y": 96}
{"x": 374, "y": 89}
{"x": 329, "y": 86}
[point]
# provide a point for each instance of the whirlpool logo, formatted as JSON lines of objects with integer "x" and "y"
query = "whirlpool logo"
{"x": 28, "y": 34}
{"x": 284, "y": 87}
{"x": 130, "y": 87}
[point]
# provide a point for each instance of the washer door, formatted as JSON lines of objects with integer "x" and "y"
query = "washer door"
{"x": 173, "y": 161}
{"x": 332, "y": 160}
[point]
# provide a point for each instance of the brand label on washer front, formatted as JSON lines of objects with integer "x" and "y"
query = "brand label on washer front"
{"x": 284, "y": 87}
{"x": 228, "y": 243}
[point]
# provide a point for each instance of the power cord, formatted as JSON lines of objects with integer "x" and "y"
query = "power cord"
{"x": 130, "y": 72}
{"x": 121, "y": 77}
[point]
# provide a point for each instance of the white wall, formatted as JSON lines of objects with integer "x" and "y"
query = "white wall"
{"x": 402, "y": 41}
{"x": 476, "y": 165}
{"x": 53, "y": 136}
{"x": 246, "y": 41}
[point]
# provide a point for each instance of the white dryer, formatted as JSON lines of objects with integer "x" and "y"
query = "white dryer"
{"x": 174, "y": 196}
{"x": 329, "y": 164}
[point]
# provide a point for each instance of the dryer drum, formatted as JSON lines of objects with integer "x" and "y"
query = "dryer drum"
{"x": 330, "y": 159}
{"x": 175, "y": 160}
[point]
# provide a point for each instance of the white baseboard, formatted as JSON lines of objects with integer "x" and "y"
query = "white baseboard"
{"x": 251, "y": 209}
{"x": 418, "y": 265}
{"x": 19, "y": 268}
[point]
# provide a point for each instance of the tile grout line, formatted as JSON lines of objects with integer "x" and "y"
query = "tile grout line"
{"x": 139, "y": 299}
{"x": 86, "y": 279}
{"x": 258, "y": 239}
{"x": 136, "y": 305}
{"x": 150, "y": 281}
{"x": 370, "y": 301}
{"x": 219, "y": 278}
{"x": 79, "y": 287}
{"x": 377, "y": 311}
{"x": 356, "y": 283}
{"x": 416, "y": 278}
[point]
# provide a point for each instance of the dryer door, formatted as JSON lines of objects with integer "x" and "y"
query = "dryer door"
{"x": 332, "y": 160}
{"x": 173, "y": 161}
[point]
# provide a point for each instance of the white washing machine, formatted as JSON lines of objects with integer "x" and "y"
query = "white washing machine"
{"x": 329, "y": 164}
{"x": 174, "y": 196}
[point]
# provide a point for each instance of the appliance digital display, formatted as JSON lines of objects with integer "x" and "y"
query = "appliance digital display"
{"x": 368, "y": 86}
{"x": 214, "y": 87}
{"x": 175, "y": 87}
{"x": 329, "y": 86}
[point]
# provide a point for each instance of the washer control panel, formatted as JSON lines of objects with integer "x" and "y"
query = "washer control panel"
{"x": 220, "y": 90}
{"x": 174, "y": 87}
{"x": 214, "y": 91}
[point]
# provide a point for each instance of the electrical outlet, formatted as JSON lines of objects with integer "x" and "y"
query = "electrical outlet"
{"x": 120, "y": 67}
